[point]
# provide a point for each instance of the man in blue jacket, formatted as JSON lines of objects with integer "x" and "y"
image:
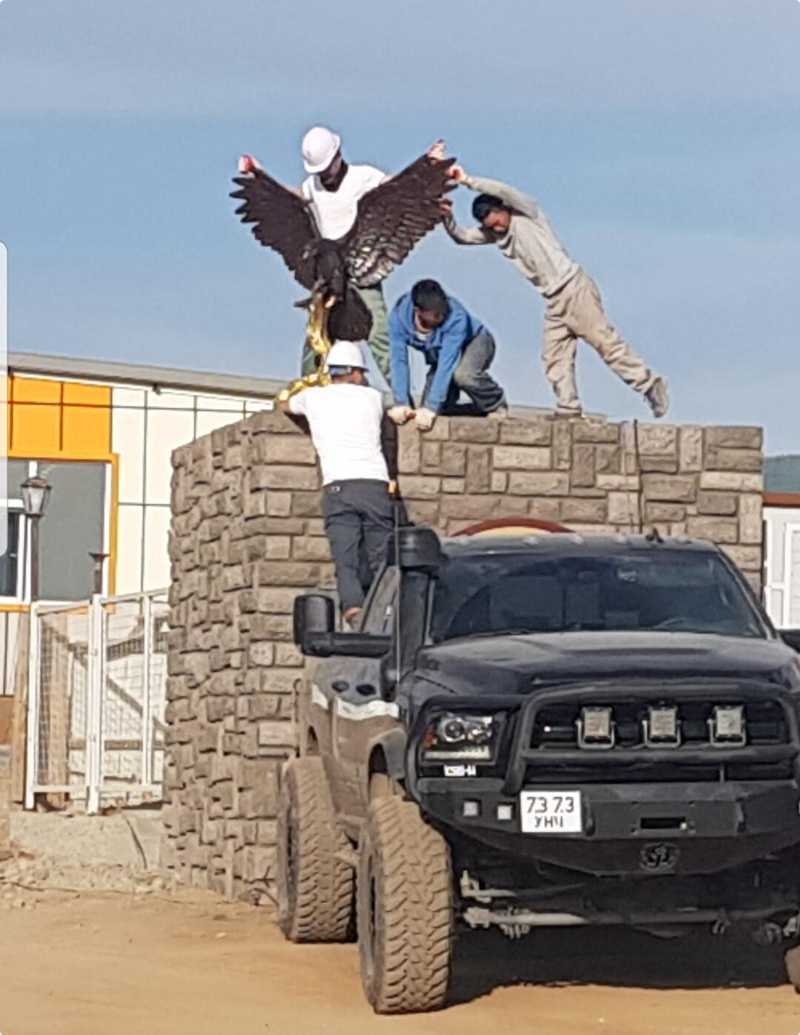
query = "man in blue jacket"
{"x": 457, "y": 348}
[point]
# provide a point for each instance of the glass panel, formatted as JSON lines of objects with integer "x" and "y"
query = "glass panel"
{"x": 9, "y": 560}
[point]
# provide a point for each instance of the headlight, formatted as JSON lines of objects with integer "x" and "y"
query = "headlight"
{"x": 451, "y": 737}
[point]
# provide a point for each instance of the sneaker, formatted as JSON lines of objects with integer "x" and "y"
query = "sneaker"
{"x": 658, "y": 397}
{"x": 501, "y": 413}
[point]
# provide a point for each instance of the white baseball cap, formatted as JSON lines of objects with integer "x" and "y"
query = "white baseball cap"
{"x": 346, "y": 354}
{"x": 319, "y": 148}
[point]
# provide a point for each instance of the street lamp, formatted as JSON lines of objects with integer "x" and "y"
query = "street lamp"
{"x": 35, "y": 494}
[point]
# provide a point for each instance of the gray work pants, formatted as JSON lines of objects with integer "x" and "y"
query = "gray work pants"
{"x": 576, "y": 311}
{"x": 472, "y": 377}
{"x": 378, "y": 340}
{"x": 359, "y": 518}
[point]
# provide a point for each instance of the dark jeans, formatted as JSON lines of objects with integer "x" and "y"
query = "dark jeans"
{"x": 472, "y": 376}
{"x": 359, "y": 518}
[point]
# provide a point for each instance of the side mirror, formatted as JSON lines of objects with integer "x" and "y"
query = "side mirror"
{"x": 388, "y": 677}
{"x": 791, "y": 637}
{"x": 417, "y": 549}
{"x": 314, "y": 615}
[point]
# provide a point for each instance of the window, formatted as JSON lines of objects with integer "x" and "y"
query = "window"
{"x": 673, "y": 591}
{"x": 380, "y": 611}
{"x": 9, "y": 562}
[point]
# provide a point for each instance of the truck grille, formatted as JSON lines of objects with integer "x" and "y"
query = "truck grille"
{"x": 630, "y": 756}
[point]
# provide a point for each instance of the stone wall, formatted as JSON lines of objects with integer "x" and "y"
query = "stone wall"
{"x": 247, "y": 536}
{"x": 5, "y": 801}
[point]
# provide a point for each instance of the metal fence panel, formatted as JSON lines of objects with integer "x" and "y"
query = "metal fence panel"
{"x": 96, "y": 700}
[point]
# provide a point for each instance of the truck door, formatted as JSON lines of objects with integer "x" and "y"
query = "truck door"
{"x": 360, "y": 713}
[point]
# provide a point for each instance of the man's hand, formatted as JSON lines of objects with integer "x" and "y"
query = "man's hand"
{"x": 437, "y": 150}
{"x": 446, "y": 207}
{"x": 425, "y": 419}
{"x": 248, "y": 164}
{"x": 400, "y": 414}
{"x": 457, "y": 173}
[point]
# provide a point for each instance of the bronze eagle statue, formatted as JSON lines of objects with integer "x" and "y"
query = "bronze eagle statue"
{"x": 390, "y": 220}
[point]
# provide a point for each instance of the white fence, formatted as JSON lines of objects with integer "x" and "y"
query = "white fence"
{"x": 96, "y": 699}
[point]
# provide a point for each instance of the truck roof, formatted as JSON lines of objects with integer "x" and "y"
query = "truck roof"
{"x": 555, "y": 543}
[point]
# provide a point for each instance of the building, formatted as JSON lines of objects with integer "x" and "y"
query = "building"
{"x": 782, "y": 540}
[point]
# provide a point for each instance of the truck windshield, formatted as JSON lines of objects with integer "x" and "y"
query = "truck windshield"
{"x": 672, "y": 591}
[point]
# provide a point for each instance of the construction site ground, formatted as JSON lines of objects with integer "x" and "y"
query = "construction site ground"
{"x": 103, "y": 947}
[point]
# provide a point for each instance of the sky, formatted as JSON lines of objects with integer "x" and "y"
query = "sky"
{"x": 661, "y": 139}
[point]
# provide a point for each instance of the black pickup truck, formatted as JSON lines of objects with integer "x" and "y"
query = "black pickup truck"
{"x": 534, "y": 732}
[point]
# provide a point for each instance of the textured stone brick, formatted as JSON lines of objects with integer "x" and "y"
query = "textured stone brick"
{"x": 409, "y": 450}
{"x": 664, "y": 512}
{"x": 278, "y": 504}
{"x": 678, "y": 488}
{"x": 286, "y": 478}
{"x": 537, "y": 432}
{"x": 479, "y": 468}
{"x": 278, "y": 548}
{"x": 523, "y": 458}
{"x": 286, "y": 449}
{"x": 751, "y": 518}
{"x": 453, "y": 485}
{"x": 583, "y": 469}
{"x": 529, "y": 483}
{"x": 453, "y": 460}
{"x": 735, "y": 437}
{"x": 719, "y": 458}
{"x": 584, "y": 510}
{"x": 718, "y": 530}
{"x": 690, "y": 451}
{"x": 623, "y": 508}
{"x": 594, "y": 431}
{"x": 431, "y": 456}
{"x": 720, "y": 503}
{"x": 748, "y": 558}
{"x": 731, "y": 481}
{"x": 473, "y": 429}
{"x": 311, "y": 548}
{"x": 421, "y": 486}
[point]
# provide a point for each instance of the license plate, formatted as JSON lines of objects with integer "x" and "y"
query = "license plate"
{"x": 551, "y": 812}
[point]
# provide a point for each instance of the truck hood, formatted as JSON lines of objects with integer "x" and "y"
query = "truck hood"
{"x": 517, "y": 663}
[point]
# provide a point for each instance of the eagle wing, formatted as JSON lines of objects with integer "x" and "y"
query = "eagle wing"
{"x": 281, "y": 220}
{"x": 393, "y": 217}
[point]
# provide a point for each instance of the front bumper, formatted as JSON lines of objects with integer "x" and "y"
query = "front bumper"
{"x": 636, "y": 827}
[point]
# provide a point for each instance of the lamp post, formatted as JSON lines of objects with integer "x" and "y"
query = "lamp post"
{"x": 35, "y": 494}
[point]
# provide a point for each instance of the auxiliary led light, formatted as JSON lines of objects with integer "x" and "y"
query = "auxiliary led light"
{"x": 661, "y": 726}
{"x": 727, "y": 725}
{"x": 596, "y": 728}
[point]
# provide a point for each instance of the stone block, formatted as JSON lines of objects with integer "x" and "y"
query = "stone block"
{"x": 717, "y": 530}
{"x": 658, "y": 464}
{"x": 278, "y": 547}
{"x": 584, "y": 510}
{"x": 608, "y": 460}
{"x": 664, "y": 512}
{"x": 261, "y": 653}
{"x": 529, "y": 483}
{"x": 623, "y": 508}
{"x": 307, "y": 504}
{"x": 454, "y": 460}
{"x": 735, "y": 437}
{"x": 470, "y": 508}
{"x": 453, "y": 486}
{"x": 278, "y": 504}
{"x": 311, "y": 548}
{"x": 499, "y": 481}
{"x": 747, "y": 558}
{"x": 306, "y": 478}
{"x": 751, "y": 529}
{"x": 679, "y": 488}
{"x": 658, "y": 439}
{"x": 720, "y": 458}
{"x": 424, "y": 512}
{"x": 562, "y": 445}
{"x": 690, "y": 449}
{"x": 731, "y": 481}
{"x": 719, "y": 503}
{"x": 527, "y": 432}
{"x": 431, "y": 456}
{"x": 287, "y": 654}
{"x": 583, "y": 466}
{"x": 522, "y": 458}
{"x": 274, "y": 734}
{"x": 287, "y": 573}
{"x": 479, "y": 466}
{"x": 618, "y": 482}
{"x": 409, "y": 450}
{"x": 286, "y": 449}
{"x": 420, "y": 486}
{"x": 588, "y": 430}
{"x": 545, "y": 509}
{"x": 474, "y": 429}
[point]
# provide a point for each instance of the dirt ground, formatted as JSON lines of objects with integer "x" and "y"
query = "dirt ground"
{"x": 144, "y": 962}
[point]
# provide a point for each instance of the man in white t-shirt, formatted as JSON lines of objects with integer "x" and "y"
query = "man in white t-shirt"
{"x": 333, "y": 188}
{"x": 345, "y": 419}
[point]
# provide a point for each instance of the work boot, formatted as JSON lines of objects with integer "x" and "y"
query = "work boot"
{"x": 658, "y": 397}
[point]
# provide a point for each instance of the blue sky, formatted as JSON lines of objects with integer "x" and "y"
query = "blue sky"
{"x": 661, "y": 139}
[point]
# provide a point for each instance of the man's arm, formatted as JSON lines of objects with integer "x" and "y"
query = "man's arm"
{"x": 464, "y": 234}
{"x": 398, "y": 359}
{"x": 454, "y": 335}
{"x": 510, "y": 196}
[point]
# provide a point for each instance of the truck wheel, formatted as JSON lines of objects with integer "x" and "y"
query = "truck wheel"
{"x": 792, "y": 959}
{"x": 315, "y": 888}
{"x": 405, "y": 909}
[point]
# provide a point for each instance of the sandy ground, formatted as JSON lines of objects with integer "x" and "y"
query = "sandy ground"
{"x": 144, "y": 962}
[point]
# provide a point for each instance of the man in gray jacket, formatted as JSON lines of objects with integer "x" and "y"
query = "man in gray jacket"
{"x": 574, "y": 309}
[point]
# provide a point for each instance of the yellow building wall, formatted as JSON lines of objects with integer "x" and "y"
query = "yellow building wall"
{"x": 64, "y": 420}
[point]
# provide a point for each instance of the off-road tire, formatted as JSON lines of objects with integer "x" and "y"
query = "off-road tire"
{"x": 792, "y": 960}
{"x": 404, "y": 909}
{"x": 315, "y": 888}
